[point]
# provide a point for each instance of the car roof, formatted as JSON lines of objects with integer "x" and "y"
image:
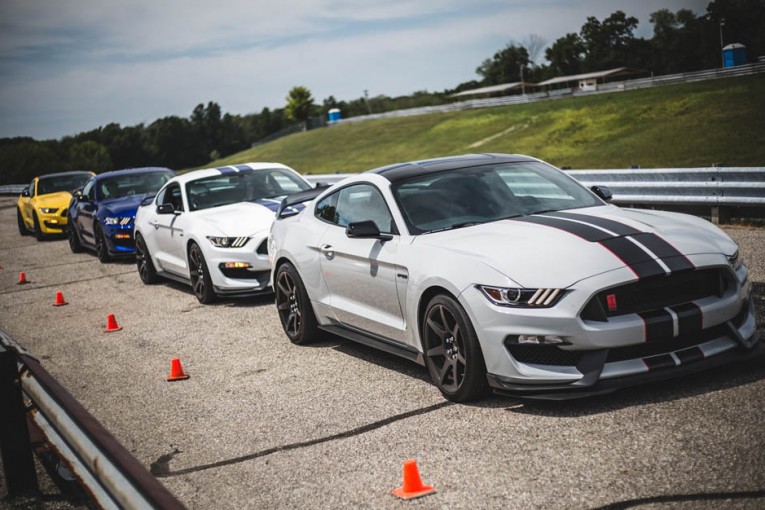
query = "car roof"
{"x": 401, "y": 171}
{"x": 64, "y": 174}
{"x": 143, "y": 170}
{"x": 230, "y": 169}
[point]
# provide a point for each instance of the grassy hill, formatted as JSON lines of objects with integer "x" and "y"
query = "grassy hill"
{"x": 688, "y": 125}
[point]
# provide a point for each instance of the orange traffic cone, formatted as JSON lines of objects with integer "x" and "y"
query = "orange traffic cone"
{"x": 22, "y": 278}
{"x": 111, "y": 324}
{"x": 60, "y": 301}
{"x": 176, "y": 371}
{"x": 412, "y": 486}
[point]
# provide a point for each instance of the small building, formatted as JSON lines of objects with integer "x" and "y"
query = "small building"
{"x": 588, "y": 82}
{"x": 734, "y": 55}
{"x": 333, "y": 115}
{"x": 501, "y": 89}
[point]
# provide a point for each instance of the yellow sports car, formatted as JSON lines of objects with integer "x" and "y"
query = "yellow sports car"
{"x": 42, "y": 206}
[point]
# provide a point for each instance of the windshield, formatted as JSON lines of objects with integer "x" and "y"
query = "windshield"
{"x": 134, "y": 183}
{"x": 468, "y": 196}
{"x": 58, "y": 183}
{"x": 231, "y": 188}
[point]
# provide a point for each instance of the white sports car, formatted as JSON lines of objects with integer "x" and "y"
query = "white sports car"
{"x": 209, "y": 228}
{"x": 501, "y": 272}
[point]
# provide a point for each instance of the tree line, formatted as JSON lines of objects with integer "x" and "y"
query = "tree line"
{"x": 681, "y": 42}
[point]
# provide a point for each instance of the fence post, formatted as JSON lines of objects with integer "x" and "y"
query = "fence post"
{"x": 16, "y": 450}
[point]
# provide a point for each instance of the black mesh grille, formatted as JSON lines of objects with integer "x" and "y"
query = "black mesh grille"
{"x": 657, "y": 292}
{"x": 244, "y": 274}
{"x": 651, "y": 349}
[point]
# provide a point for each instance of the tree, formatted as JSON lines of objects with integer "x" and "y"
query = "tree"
{"x": 505, "y": 66}
{"x": 744, "y": 22}
{"x": 566, "y": 55}
{"x": 89, "y": 155}
{"x": 299, "y": 105}
{"x": 608, "y": 44}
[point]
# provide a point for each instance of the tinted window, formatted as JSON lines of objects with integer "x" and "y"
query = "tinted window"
{"x": 230, "y": 188}
{"x": 134, "y": 183}
{"x": 466, "y": 196}
{"x": 359, "y": 202}
{"x": 89, "y": 190}
{"x": 171, "y": 195}
{"x": 61, "y": 183}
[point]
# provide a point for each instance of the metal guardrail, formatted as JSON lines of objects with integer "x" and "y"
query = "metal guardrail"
{"x": 718, "y": 188}
{"x": 110, "y": 474}
{"x": 654, "y": 81}
{"x": 12, "y": 189}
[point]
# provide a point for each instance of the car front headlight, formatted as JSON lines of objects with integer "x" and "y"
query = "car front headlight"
{"x": 521, "y": 298}
{"x": 228, "y": 242}
{"x": 113, "y": 220}
{"x": 48, "y": 210}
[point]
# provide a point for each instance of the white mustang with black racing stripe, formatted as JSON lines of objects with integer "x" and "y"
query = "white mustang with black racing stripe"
{"x": 501, "y": 272}
{"x": 209, "y": 228}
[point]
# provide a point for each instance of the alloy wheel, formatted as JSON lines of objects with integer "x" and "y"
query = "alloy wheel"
{"x": 288, "y": 304}
{"x": 445, "y": 348}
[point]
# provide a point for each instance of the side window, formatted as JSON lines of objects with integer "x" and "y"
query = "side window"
{"x": 363, "y": 202}
{"x": 31, "y": 189}
{"x": 171, "y": 195}
{"x": 89, "y": 190}
{"x": 326, "y": 208}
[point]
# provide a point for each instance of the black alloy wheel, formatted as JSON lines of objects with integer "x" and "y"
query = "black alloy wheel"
{"x": 146, "y": 269}
{"x": 452, "y": 352}
{"x": 22, "y": 226}
{"x": 38, "y": 231}
{"x": 74, "y": 238}
{"x": 102, "y": 251}
{"x": 294, "y": 306}
{"x": 201, "y": 283}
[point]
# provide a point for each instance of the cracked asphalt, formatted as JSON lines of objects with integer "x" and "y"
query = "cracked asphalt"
{"x": 262, "y": 423}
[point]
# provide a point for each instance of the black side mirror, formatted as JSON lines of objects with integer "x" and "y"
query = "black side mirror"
{"x": 25, "y": 192}
{"x": 165, "y": 209}
{"x": 603, "y": 192}
{"x": 366, "y": 230}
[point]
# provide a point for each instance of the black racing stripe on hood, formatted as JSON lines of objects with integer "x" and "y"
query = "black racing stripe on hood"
{"x": 612, "y": 225}
{"x": 637, "y": 259}
{"x": 586, "y": 232}
{"x": 668, "y": 254}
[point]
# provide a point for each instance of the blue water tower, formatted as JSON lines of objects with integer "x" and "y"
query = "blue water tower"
{"x": 734, "y": 55}
{"x": 334, "y": 115}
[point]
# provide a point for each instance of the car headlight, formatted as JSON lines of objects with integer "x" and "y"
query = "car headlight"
{"x": 228, "y": 242}
{"x": 112, "y": 220}
{"x": 735, "y": 261}
{"x": 48, "y": 210}
{"x": 521, "y": 298}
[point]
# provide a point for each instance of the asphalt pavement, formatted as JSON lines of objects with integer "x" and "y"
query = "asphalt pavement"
{"x": 262, "y": 423}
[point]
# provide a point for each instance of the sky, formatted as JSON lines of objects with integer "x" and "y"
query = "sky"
{"x": 68, "y": 66}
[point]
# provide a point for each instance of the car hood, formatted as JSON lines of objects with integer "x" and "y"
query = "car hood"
{"x": 236, "y": 220}
{"x": 535, "y": 255}
{"x": 58, "y": 200}
{"x": 121, "y": 207}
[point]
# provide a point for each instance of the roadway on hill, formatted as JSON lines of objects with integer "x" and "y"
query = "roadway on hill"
{"x": 262, "y": 423}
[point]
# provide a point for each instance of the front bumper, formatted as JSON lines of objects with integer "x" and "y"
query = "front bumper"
{"x": 53, "y": 223}
{"x": 599, "y": 356}
{"x": 238, "y": 281}
{"x": 119, "y": 239}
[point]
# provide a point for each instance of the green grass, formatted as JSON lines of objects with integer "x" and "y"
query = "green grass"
{"x": 688, "y": 125}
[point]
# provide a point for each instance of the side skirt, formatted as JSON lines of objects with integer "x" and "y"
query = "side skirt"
{"x": 376, "y": 342}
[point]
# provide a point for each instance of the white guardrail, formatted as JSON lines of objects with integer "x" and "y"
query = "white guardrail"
{"x": 31, "y": 397}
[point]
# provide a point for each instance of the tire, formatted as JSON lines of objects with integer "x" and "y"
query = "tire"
{"x": 102, "y": 250}
{"x": 38, "y": 231}
{"x": 294, "y": 306}
{"x": 74, "y": 239}
{"x": 201, "y": 283}
{"x": 452, "y": 352}
{"x": 146, "y": 270}
{"x": 22, "y": 226}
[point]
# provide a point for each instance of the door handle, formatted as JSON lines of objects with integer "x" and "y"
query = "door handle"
{"x": 156, "y": 225}
{"x": 328, "y": 251}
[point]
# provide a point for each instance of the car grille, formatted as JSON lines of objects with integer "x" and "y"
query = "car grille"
{"x": 656, "y": 293}
{"x": 553, "y": 355}
{"x": 245, "y": 274}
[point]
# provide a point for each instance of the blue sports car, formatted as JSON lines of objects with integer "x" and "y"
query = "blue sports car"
{"x": 101, "y": 215}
